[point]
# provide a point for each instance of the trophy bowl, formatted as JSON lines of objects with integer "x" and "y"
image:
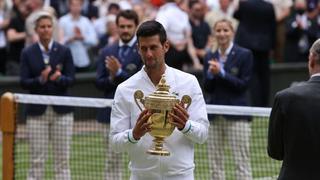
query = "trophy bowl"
{"x": 161, "y": 104}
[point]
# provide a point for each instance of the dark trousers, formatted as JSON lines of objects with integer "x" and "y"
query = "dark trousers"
{"x": 260, "y": 84}
{"x": 3, "y": 60}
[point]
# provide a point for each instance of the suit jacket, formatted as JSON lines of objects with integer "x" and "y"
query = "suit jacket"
{"x": 32, "y": 64}
{"x": 257, "y": 25}
{"x": 232, "y": 88}
{"x": 294, "y": 131}
{"x": 294, "y": 34}
{"x": 131, "y": 63}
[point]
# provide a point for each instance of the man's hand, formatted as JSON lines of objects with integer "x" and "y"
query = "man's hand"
{"x": 112, "y": 65}
{"x": 214, "y": 67}
{"x": 45, "y": 73}
{"x": 77, "y": 33}
{"x": 55, "y": 75}
{"x": 179, "y": 116}
{"x": 142, "y": 126}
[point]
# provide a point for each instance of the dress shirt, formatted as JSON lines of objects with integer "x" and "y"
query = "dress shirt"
{"x": 78, "y": 48}
{"x": 180, "y": 144}
{"x": 46, "y": 52}
{"x": 223, "y": 57}
{"x": 130, "y": 43}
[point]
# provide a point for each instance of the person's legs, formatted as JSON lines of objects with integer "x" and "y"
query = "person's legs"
{"x": 260, "y": 83}
{"x": 3, "y": 61}
{"x": 216, "y": 144}
{"x": 238, "y": 134}
{"x": 38, "y": 128}
{"x": 61, "y": 140}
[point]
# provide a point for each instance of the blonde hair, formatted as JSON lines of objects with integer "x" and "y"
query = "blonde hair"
{"x": 224, "y": 20}
{"x": 43, "y": 15}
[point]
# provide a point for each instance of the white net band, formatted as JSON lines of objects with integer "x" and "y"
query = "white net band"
{"x": 100, "y": 103}
{"x": 63, "y": 100}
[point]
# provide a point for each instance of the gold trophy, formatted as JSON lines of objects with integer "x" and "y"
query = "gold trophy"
{"x": 160, "y": 103}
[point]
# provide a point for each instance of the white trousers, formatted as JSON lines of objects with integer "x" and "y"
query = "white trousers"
{"x": 235, "y": 134}
{"x": 55, "y": 129}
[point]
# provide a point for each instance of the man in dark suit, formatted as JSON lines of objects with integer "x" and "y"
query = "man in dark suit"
{"x": 116, "y": 63}
{"x": 227, "y": 73}
{"x": 294, "y": 126}
{"x": 120, "y": 60}
{"x": 256, "y": 31}
{"x": 301, "y": 32}
{"x": 47, "y": 69}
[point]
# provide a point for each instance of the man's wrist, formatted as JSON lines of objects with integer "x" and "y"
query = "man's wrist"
{"x": 187, "y": 127}
{"x": 131, "y": 137}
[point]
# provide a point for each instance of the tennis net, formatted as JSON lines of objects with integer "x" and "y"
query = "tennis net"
{"x": 89, "y": 156}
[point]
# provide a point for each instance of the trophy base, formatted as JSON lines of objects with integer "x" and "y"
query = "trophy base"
{"x": 158, "y": 152}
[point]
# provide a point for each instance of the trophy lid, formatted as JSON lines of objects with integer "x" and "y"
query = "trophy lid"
{"x": 162, "y": 88}
{"x": 161, "y": 97}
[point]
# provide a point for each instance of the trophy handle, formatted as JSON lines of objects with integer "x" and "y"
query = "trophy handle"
{"x": 138, "y": 95}
{"x": 186, "y": 100}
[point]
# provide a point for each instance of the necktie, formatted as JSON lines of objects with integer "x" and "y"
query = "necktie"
{"x": 123, "y": 51}
{"x": 46, "y": 55}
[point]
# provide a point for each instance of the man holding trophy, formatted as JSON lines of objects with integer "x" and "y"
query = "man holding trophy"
{"x": 158, "y": 131}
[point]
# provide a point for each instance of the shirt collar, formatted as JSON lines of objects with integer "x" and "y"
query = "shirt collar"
{"x": 228, "y": 49}
{"x": 167, "y": 73}
{"x": 49, "y": 46}
{"x": 130, "y": 43}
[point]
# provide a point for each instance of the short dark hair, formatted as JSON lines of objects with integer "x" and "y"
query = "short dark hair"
{"x": 151, "y": 28}
{"x": 113, "y": 6}
{"x": 128, "y": 14}
{"x": 192, "y": 2}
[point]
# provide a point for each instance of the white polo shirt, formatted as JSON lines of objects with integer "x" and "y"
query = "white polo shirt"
{"x": 175, "y": 21}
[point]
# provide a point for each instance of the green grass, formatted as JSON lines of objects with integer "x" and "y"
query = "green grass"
{"x": 88, "y": 157}
{"x": 262, "y": 165}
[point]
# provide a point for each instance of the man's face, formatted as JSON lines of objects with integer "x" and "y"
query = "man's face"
{"x": 224, "y": 4}
{"x": 33, "y": 5}
{"x": 197, "y": 11}
{"x": 44, "y": 29}
{"x": 75, "y": 7}
{"x": 126, "y": 29}
{"x": 152, "y": 52}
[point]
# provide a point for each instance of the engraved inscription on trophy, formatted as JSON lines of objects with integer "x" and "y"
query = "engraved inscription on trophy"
{"x": 160, "y": 103}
